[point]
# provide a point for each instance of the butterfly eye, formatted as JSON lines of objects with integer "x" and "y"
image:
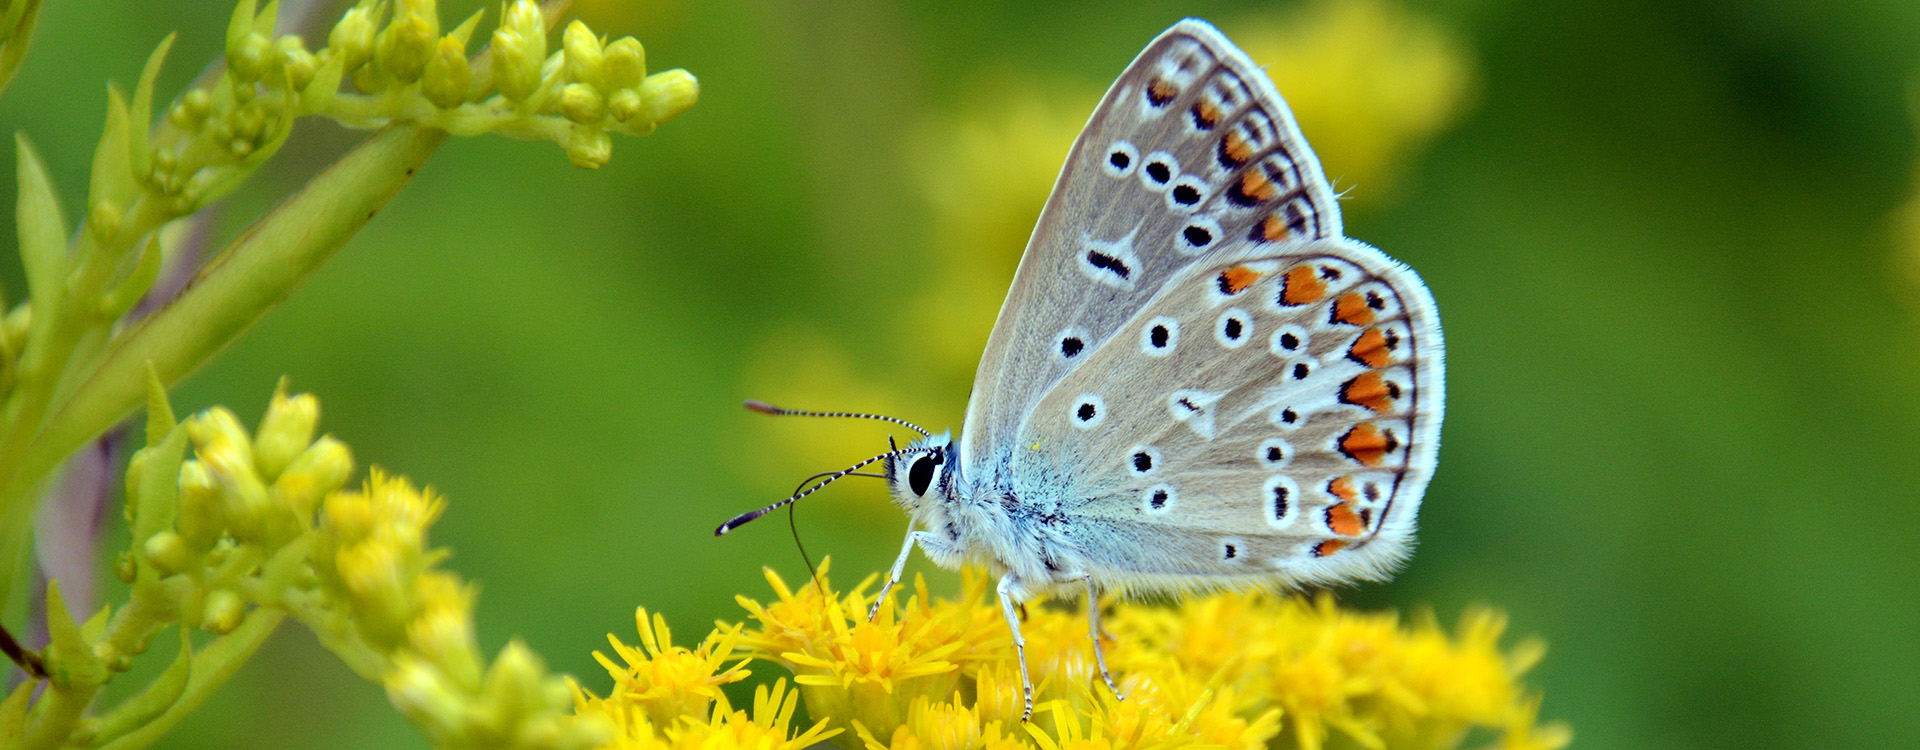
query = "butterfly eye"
{"x": 920, "y": 475}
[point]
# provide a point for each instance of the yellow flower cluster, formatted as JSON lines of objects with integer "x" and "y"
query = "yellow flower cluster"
{"x": 1231, "y": 670}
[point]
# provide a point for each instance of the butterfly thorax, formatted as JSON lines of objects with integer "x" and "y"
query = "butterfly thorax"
{"x": 982, "y": 522}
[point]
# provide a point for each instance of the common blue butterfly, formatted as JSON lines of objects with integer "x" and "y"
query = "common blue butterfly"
{"x": 1197, "y": 381}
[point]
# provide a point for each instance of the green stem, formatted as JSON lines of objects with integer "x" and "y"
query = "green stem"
{"x": 213, "y": 665}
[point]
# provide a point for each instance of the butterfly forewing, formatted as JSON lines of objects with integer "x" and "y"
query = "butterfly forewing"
{"x": 1283, "y": 430}
{"x": 1191, "y": 151}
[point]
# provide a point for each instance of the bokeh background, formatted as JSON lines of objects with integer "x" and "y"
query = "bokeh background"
{"x": 1675, "y": 246}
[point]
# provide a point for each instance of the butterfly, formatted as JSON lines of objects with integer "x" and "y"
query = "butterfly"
{"x": 1197, "y": 382}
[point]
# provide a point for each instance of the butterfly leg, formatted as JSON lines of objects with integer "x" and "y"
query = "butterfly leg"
{"x": 1094, "y": 632}
{"x": 893, "y": 576}
{"x": 1008, "y": 583}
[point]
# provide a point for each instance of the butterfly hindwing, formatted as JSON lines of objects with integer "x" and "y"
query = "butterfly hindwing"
{"x": 1192, "y": 150}
{"x": 1282, "y": 430}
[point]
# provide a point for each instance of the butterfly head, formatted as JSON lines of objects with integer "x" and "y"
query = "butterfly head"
{"x": 924, "y": 471}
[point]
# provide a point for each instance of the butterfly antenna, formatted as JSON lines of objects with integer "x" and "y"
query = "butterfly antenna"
{"x": 742, "y": 519}
{"x": 766, "y": 408}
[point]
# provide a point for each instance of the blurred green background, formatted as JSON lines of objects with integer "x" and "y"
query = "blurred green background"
{"x": 1670, "y": 242}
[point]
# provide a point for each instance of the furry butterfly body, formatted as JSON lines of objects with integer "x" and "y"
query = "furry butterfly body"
{"x": 1197, "y": 381}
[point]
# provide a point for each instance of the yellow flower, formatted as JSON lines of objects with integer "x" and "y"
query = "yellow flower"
{"x": 1230, "y": 670}
{"x": 767, "y": 727}
{"x": 666, "y": 681}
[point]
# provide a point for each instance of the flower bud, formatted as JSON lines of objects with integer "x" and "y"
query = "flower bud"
{"x": 447, "y": 75}
{"x": 624, "y": 105}
{"x": 352, "y": 38}
{"x": 299, "y": 64}
{"x": 124, "y": 567}
{"x": 626, "y": 63}
{"x": 588, "y": 147}
{"x": 104, "y": 220}
{"x": 248, "y": 59}
{"x": 321, "y": 469}
{"x": 222, "y": 612}
{"x": 348, "y": 516}
{"x": 586, "y": 62}
{"x": 285, "y": 431}
{"x": 519, "y": 50}
{"x": 202, "y": 521}
{"x": 668, "y": 93}
{"x": 581, "y": 103}
{"x": 406, "y": 45}
{"x": 168, "y": 553}
{"x": 373, "y": 573}
{"x": 515, "y": 683}
{"x": 421, "y": 693}
{"x": 442, "y": 631}
{"x": 245, "y": 500}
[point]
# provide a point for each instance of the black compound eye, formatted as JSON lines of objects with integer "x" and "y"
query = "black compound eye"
{"x": 920, "y": 475}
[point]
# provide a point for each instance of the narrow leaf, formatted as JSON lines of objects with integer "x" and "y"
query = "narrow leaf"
{"x": 71, "y": 663}
{"x": 112, "y": 164}
{"x": 138, "y": 149}
{"x": 160, "y": 420}
{"x": 43, "y": 234}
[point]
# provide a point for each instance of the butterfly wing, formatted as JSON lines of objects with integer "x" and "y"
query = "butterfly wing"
{"x": 1190, "y": 151}
{"x": 1272, "y": 416}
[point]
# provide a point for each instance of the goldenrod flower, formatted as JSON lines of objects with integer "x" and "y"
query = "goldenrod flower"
{"x": 1231, "y": 670}
{"x": 666, "y": 681}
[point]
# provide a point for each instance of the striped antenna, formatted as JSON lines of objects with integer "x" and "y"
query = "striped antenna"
{"x": 766, "y": 408}
{"x": 742, "y": 519}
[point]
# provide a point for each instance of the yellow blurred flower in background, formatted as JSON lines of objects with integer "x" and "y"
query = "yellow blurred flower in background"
{"x": 1370, "y": 82}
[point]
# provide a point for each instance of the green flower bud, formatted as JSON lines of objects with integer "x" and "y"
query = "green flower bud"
{"x": 447, "y": 75}
{"x": 374, "y": 574}
{"x": 248, "y": 511}
{"x": 585, "y": 61}
{"x": 168, "y": 553}
{"x": 299, "y": 64}
{"x": 668, "y": 93}
{"x": 352, "y": 38}
{"x": 202, "y": 520}
{"x": 588, "y": 147}
{"x": 626, "y": 63}
{"x": 406, "y": 45}
{"x": 104, "y": 220}
{"x": 248, "y": 59}
{"x": 581, "y": 103}
{"x": 442, "y": 631}
{"x": 124, "y": 567}
{"x": 519, "y": 50}
{"x": 222, "y": 612}
{"x": 624, "y": 105}
{"x": 515, "y": 685}
{"x": 420, "y": 692}
{"x": 285, "y": 431}
{"x": 316, "y": 472}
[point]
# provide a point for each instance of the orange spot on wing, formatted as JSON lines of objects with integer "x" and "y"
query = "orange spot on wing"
{"x": 1160, "y": 92}
{"x": 1236, "y": 279}
{"x": 1368, "y": 390}
{"x": 1343, "y": 521}
{"x": 1272, "y": 229}
{"x": 1301, "y": 286}
{"x": 1342, "y": 487}
{"x": 1205, "y": 115}
{"x": 1352, "y": 310}
{"x": 1254, "y": 184}
{"x": 1371, "y": 349}
{"x": 1367, "y": 444}
{"x": 1234, "y": 149}
{"x": 1329, "y": 547}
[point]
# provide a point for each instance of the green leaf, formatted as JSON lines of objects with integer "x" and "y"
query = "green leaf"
{"x": 22, "y": 16}
{"x": 117, "y": 301}
{"x": 112, "y": 164}
{"x": 13, "y": 712}
{"x": 153, "y": 701}
{"x": 213, "y": 665}
{"x": 43, "y": 234}
{"x": 160, "y": 419}
{"x": 138, "y": 149}
{"x": 156, "y": 494}
{"x": 71, "y": 663}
